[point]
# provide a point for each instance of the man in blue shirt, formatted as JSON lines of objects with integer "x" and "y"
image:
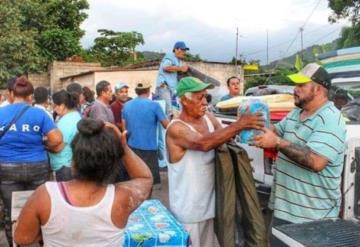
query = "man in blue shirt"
{"x": 167, "y": 78}
{"x": 140, "y": 118}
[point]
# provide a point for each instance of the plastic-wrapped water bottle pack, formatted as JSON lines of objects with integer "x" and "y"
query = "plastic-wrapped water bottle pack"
{"x": 252, "y": 106}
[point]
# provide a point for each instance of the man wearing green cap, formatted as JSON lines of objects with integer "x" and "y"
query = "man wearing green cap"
{"x": 191, "y": 140}
{"x": 311, "y": 143}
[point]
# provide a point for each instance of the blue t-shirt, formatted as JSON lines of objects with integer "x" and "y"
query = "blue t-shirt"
{"x": 226, "y": 97}
{"x": 141, "y": 117}
{"x": 170, "y": 78}
{"x": 67, "y": 126}
{"x": 23, "y": 142}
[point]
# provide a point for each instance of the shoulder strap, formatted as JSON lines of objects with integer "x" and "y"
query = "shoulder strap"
{"x": 186, "y": 124}
{"x": 14, "y": 120}
{"x": 210, "y": 125}
{"x": 64, "y": 192}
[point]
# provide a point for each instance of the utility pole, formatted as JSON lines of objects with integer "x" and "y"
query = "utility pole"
{"x": 236, "y": 49}
{"x": 267, "y": 47}
{"x": 302, "y": 43}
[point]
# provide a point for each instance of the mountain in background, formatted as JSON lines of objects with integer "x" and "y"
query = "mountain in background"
{"x": 309, "y": 55}
{"x": 152, "y": 55}
{"x": 156, "y": 56}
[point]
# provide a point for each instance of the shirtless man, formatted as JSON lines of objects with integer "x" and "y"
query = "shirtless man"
{"x": 191, "y": 140}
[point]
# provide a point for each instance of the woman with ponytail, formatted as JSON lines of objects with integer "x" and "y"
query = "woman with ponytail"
{"x": 65, "y": 104}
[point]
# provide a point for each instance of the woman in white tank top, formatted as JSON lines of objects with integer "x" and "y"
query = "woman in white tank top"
{"x": 89, "y": 210}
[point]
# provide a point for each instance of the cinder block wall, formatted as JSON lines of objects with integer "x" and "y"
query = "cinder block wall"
{"x": 40, "y": 80}
{"x": 131, "y": 77}
{"x": 58, "y": 70}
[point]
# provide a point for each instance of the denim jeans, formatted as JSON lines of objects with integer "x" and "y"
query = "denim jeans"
{"x": 17, "y": 177}
{"x": 164, "y": 93}
{"x": 63, "y": 174}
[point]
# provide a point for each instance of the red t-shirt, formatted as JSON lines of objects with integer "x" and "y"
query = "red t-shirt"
{"x": 116, "y": 108}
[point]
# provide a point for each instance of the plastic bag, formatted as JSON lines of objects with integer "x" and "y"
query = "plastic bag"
{"x": 252, "y": 106}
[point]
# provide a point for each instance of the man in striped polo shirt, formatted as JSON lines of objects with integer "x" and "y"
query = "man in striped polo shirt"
{"x": 311, "y": 143}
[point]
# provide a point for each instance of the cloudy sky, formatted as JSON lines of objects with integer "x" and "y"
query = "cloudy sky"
{"x": 210, "y": 29}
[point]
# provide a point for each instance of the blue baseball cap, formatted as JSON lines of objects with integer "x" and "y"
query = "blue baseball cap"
{"x": 181, "y": 45}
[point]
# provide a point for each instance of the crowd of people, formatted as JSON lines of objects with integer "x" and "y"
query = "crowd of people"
{"x": 94, "y": 161}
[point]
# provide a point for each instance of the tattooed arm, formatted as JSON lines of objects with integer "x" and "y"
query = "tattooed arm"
{"x": 302, "y": 155}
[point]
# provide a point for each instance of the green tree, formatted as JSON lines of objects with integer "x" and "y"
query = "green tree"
{"x": 347, "y": 9}
{"x": 277, "y": 78}
{"x": 193, "y": 58}
{"x": 116, "y": 48}
{"x": 18, "y": 50}
{"x": 253, "y": 81}
{"x": 240, "y": 61}
{"x": 58, "y": 44}
{"x": 349, "y": 37}
{"x": 35, "y": 32}
{"x": 280, "y": 76}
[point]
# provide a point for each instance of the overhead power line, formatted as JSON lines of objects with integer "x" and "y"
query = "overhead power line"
{"x": 292, "y": 42}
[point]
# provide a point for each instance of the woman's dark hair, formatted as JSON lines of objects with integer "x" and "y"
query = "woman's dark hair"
{"x": 10, "y": 84}
{"x": 75, "y": 89}
{"x": 88, "y": 94}
{"x": 66, "y": 98}
{"x": 96, "y": 152}
{"x": 23, "y": 87}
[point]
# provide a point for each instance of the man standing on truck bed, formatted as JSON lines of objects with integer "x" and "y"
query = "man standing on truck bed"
{"x": 167, "y": 78}
{"x": 311, "y": 143}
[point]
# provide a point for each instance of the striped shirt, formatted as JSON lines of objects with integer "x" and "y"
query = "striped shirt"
{"x": 300, "y": 194}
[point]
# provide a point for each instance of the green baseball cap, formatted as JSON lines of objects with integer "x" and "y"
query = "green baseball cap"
{"x": 191, "y": 84}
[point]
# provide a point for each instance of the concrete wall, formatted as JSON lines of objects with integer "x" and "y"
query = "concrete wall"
{"x": 40, "y": 80}
{"x": 220, "y": 72}
{"x": 216, "y": 70}
{"x": 130, "y": 77}
{"x": 85, "y": 80}
{"x": 58, "y": 70}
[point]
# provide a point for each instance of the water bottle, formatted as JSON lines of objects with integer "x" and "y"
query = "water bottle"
{"x": 252, "y": 106}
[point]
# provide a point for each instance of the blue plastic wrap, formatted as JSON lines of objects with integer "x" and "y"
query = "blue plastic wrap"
{"x": 253, "y": 106}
